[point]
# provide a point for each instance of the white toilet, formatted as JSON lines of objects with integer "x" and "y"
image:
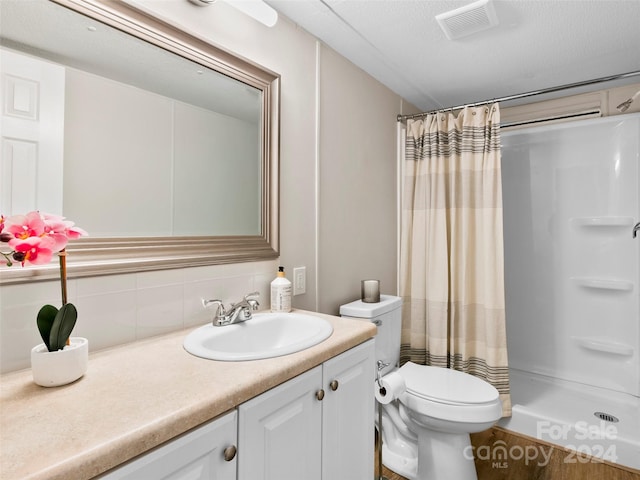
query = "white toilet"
{"x": 425, "y": 432}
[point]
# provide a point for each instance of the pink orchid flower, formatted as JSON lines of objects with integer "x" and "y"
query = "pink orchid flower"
{"x": 55, "y": 228}
{"x": 55, "y": 224}
{"x": 36, "y": 236}
{"x": 36, "y": 250}
{"x": 25, "y": 226}
{"x": 74, "y": 232}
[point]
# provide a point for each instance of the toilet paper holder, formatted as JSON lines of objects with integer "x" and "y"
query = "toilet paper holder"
{"x": 381, "y": 366}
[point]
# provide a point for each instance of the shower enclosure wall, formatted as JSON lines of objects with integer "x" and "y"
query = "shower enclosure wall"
{"x": 570, "y": 196}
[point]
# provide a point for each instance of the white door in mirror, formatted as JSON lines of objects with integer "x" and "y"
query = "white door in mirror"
{"x": 33, "y": 134}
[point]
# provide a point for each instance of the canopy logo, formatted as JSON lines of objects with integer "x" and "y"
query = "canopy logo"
{"x": 500, "y": 454}
{"x": 586, "y": 443}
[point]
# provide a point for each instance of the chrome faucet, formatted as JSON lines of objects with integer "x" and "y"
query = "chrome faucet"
{"x": 238, "y": 312}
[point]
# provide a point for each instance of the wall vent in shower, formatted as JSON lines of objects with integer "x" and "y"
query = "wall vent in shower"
{"x": 607, "y": 417}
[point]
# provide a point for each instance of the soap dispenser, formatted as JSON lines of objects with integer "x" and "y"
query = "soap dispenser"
{"x": 281, "y": 293}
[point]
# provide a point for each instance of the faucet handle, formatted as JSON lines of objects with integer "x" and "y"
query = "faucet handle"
{"x": 208, "y": 303}
{"x": 252, "y": 301}
{"x": 220, "y": 317}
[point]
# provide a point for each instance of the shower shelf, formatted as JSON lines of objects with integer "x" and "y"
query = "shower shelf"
{"x": 603, "y": 284}
{"x": 602, "y": 221}
{"x": 605, "y": 346}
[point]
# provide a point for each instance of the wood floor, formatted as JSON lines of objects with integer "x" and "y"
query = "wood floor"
{"x": 388, "y": 474}
{"x": 385, "y": 471}
{"x": 553, "y": 463}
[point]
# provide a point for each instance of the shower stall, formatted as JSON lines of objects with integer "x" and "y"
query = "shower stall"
{"x": 572, "y": 279}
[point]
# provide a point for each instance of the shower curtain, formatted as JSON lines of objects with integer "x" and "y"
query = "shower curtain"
{"x": 451, "y": 270}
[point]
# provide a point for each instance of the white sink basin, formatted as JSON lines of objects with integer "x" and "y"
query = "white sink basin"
{"x": 266, "y": 335}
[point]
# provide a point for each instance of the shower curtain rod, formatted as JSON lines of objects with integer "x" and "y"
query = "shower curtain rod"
{"x": 568, "y": 86}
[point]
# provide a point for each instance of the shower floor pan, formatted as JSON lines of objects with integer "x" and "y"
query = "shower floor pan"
{"x": 591, "y": 420}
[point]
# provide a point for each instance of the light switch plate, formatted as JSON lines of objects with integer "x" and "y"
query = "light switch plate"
{"x": 299, "y": 280}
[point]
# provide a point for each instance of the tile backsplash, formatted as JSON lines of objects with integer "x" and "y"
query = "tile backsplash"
{"x": 118, "y": 309}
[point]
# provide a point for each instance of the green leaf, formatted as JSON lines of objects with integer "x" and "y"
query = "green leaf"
{"x": 62, "y": 326}
{"x": 45, "y": 318}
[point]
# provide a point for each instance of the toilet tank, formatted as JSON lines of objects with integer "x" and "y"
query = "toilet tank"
{"x": 387, "y": 316}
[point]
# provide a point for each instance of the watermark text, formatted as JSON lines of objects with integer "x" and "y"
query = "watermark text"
{"x": 586, "y": 442}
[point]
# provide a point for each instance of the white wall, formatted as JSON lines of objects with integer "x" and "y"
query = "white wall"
{"x": 225, "y": 153}
{"x": 137, "y": 143}
{"x": 357, "y": 187}
{"x": 337, "y": 200}
{"x": 149, "y": 146}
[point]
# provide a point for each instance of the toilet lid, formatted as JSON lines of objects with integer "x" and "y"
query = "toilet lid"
{"x": 444, "y": 385}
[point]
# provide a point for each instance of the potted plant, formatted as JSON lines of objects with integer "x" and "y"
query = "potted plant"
{"x": 34, "y": 238}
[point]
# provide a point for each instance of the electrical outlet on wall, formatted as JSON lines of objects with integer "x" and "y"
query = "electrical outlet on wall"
{"x": 299, "y": 280}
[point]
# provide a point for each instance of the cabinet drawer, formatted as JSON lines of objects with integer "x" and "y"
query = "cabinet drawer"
{"x": 196, "y": 455}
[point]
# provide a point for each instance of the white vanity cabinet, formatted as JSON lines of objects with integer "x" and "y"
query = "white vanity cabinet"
{"x": 207, "y": 452}
{"x": 317, "y": 426}
{"x": 348, "y": 415}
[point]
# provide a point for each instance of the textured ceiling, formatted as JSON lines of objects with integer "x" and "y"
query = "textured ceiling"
{"x": 537, "y": 44}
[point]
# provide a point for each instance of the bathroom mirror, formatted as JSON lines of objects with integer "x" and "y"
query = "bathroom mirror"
{"x": 165, "y": 147}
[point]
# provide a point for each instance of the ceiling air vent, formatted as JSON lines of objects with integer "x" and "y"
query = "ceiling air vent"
{"x": 472, "y": 18}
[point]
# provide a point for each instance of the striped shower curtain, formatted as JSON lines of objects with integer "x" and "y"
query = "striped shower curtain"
{"x": 451, "y": 271}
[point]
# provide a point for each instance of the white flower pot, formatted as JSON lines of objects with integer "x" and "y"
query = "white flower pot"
{"x": 52, "y": 369}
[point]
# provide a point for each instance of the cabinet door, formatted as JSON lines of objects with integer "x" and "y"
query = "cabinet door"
{"x": 196, "y": 455}
{"x": 280, "y": 432}
{"x": 348, "y": 415}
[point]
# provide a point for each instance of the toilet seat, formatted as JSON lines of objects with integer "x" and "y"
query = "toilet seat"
{"x": 448, "y": 386}
{"x": 449, "y": 395}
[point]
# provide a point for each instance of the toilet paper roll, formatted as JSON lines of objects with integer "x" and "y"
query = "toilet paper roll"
{"x": 390, "y": 387}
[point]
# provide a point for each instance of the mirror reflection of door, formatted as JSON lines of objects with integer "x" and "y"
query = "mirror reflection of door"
{"x": 32, "y": 134}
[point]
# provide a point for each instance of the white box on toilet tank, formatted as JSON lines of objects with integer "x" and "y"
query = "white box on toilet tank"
{"x": 387, "y": 316}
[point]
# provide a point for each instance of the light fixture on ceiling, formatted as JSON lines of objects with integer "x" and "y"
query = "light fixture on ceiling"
{"x": 472, "y": 18}
{"x": 256, "y": 9}
{"x": 624, "y": 106}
